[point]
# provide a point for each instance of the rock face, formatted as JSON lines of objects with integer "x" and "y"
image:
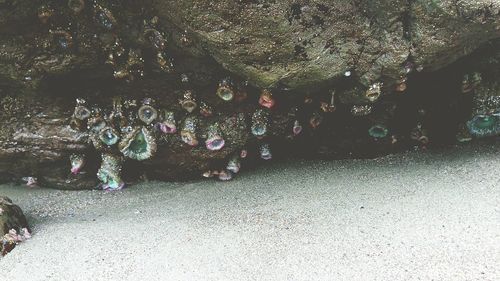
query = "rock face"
{"x": 302, "y": 43}
{"x": 101, "y": 93}
{"x": 13, "y": 225}
{"x": 11, "y": 216}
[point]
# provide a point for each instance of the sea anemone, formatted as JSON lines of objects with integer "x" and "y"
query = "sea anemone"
{"x": 214, "y": 141}
{"x": 266, "y": 99}
{"x": 188, "y": 131}
{"x": 374, "y": 92}
{"x": 485, "y": 120}
{"x": 188, "y": 102}
{"x": 139, "y": 144}
{"x": 147, "y": 113}
{"x": 315, "y": 120}
{"x": 77, "y": 163}
{"x": 483, "y": 125}
{"x": 109, "y": 136}
{"x": 110, "y": 172}
{"x": 168, "y": 126}
{"x": 378, "y": 131}
{"x": 225, "y": 175}
{"x": 225, "y": 91}
{"x": 259, "y": 123}
{"x": 234, "y": 164}
{"x": 265, "y": 152}
{"x": 361, "y": 110}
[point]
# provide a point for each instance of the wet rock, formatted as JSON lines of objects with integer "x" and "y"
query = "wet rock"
{"x": 174, "y": 89}
{"x": 300, "y": 43}
{"x": 13, "y": 225}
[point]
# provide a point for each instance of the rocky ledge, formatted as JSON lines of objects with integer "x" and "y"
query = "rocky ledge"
{"x": 96, "y": 94}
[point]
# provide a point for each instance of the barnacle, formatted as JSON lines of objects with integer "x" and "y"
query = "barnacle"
{"x": 139, "y": 144}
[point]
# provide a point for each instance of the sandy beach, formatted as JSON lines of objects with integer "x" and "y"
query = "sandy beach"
{"x": 415, "y": 216}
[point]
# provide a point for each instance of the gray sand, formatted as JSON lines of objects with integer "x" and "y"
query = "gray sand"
{"x": 416, "y": 216}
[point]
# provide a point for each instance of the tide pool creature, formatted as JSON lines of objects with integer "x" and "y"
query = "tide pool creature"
{"x": 188, "y": 131}
{"x": 225, "y": 90}
{"x": 168, "y": 125}
{"x": 225, "y": 175}
{"x": 139, "y": 144}
{"x": 361, "y": 110}
{"x": 205, "y": 110}
{"x": 297, "y": 128}
{"x": 470, "y": 82}
{"x": 77, "y": 163}
{"x": 243, "y": 153}
{"x": 485, "y": 120}
{"x": 214, "y": 141}
{"x": 109, "y": 136}
{"x": 80, "y": 115}
{"x": 188, "y": 102}
{"x": 31, "y": 181}
{"x": 419, "y": 133}
{"x": 401, "y": 85}
{"x": 110, "y": 172}
{"x": 234, "y": 164}
{"x": 381, "y": 119}
{"x": 329, "y": 106}
{"x": 265, "y": 151}
{"x": 260, "y": 120}
{"x": 378, "y": 131}
{"x": 266, "y": 99}
{"x": 146, "y": 112}
{"x": 315, "y": 120}
{"x": 463, "y": 135}
{"x": 374, "y": 92}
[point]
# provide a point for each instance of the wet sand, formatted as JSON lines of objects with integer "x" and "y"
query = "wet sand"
{"x": 414, "y": 216}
